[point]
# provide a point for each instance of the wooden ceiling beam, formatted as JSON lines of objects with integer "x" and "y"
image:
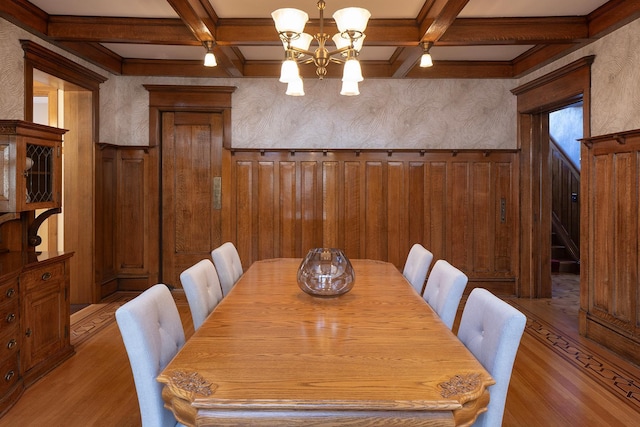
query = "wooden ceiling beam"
{"x": 245, "y": 32}
{"x": 464, "y": 70}
{"x": 200, "y": 18}
{"x": 540, "y": 56}
{"x": 96, "y": 54}
{"x": 172, "y": 68}
{"x": 439, "y": 18}
{"x": 611, "y": 16}
{"x": 121, "y": 30}
{"x": 25, "y": 15}
{"x": 502, "y": 31}
{"x": 194, "y": 17}
{"x": 271, "y": 69}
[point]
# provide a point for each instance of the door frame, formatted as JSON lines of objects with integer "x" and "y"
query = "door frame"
{"x": 172, "y": 98}
{"x": 83, "y": 263}
{"x": 535, "y": 100}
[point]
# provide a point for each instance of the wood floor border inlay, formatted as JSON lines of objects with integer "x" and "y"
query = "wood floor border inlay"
{"x": 96, "y": 320}
{"x": 612, "y": 377}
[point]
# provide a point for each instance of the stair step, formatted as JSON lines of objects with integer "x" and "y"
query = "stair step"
{"x": 565, "y": 266}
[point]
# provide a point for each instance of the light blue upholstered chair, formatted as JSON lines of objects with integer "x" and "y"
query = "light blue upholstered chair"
{"x": 202, "y": 288}
{"x": 491, "y": 329}
{"x": 444, "y": 289}
{"x": 152, "y": 332}
{"x": 228, "y": 265}
{"x": 416, "y": 266}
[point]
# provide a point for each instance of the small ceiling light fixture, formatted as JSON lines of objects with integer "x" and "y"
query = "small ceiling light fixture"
{"x": 209, "y": 57}
{"x": 351, "y": 23}
{"x": 425, "y": 60}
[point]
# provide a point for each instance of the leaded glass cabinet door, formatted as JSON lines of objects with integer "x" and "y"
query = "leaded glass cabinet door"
{"x": 30, "y": 166}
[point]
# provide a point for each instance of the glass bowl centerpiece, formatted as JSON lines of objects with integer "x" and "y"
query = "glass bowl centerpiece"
{"x": 326, "y": 272}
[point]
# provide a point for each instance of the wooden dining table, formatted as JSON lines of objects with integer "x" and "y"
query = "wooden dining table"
{"x": 272, "y": 355}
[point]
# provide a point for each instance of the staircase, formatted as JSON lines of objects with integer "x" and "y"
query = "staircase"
{"x": 561, "y": 258}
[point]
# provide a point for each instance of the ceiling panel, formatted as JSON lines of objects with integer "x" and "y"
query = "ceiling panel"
{"x": 122, "y": 8}
{"x": 529, "y": 8}
{"x": 386, "y": 9}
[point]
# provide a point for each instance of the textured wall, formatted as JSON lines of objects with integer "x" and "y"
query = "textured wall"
{"x": 11, "y": 72}
{"x": 615, "y": 79}
{"x": 387, "y": 114}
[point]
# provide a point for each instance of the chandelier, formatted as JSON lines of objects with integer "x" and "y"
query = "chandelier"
{"x": 351, "y": 23}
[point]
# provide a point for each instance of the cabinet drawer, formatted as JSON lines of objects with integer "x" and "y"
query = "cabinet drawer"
{"x": 9, "y": 315}
{"x": 8, "y": 373}
{"x": 9, "y": 291}
{"x": 9, "y": 342}
{"x": 34, "y": 278}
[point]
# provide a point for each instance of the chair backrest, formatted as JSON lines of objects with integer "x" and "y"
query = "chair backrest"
{"x": 491, "y": 329}
{"x": 444, "y": 289}
{"x": 202, "y": 288}
{"x": 228, "y": 265}
{"x": 416, "y": 266}
{"x": 152, "y": 332}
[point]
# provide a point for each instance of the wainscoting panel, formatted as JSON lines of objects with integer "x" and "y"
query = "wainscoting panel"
{"x": 375, "y": 204}
{"x": 610, "y": 294}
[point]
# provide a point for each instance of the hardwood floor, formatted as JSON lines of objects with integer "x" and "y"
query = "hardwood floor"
{"x": 559, "y": 378}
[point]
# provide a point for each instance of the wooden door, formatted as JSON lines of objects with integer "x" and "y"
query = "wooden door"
{"x": 191, "y": 169}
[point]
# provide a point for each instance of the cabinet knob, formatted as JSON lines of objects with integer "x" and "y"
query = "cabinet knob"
{"x": 28, "y": 333}
{"x": 9, "y": 375}
{"x": 46, "y": 276}
{"x": 11, "y": 344}
{"x": 11, "y": 317}
{"x": 10, "y": 292}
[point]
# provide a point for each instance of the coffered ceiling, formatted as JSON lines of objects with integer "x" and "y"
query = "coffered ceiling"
{"x": 472, "y": 38}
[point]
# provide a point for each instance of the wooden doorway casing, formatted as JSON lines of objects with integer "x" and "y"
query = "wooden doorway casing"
{"x": 215, "y": 100}
{"x": 81, "y": 112}
{"x": 535, "y": 100}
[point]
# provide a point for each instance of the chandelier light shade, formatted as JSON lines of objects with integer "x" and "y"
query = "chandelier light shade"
{"x": 351, "y": 23}
{"x": 295, "y": 87}
{"x": 352, "y": 71}
{"x": 289, "y": 71}
{"x": 425, "y": 59}
{"x": 352, "y": 19}
{"x": 289, "y": 20}
{"x": 349, "y": 88}
{"x": 209, "y": 57}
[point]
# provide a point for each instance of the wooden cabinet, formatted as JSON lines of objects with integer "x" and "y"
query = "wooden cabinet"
{"x": 34, "y": 319}
{"x": 10, "y": 378}
{"x": 30, "y": 166}
{"x": 609, "y": 287}
{"x": 45, "y": 317}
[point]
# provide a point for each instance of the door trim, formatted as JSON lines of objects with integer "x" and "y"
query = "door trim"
{"x": 535, "y": 100}
{"x": 166, "y": 98}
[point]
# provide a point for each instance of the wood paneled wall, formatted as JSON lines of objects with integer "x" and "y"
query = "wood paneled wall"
{"x": 127, "y": 234}
{"x": 610, "y": 291}
{"x": 461, "y": 205}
